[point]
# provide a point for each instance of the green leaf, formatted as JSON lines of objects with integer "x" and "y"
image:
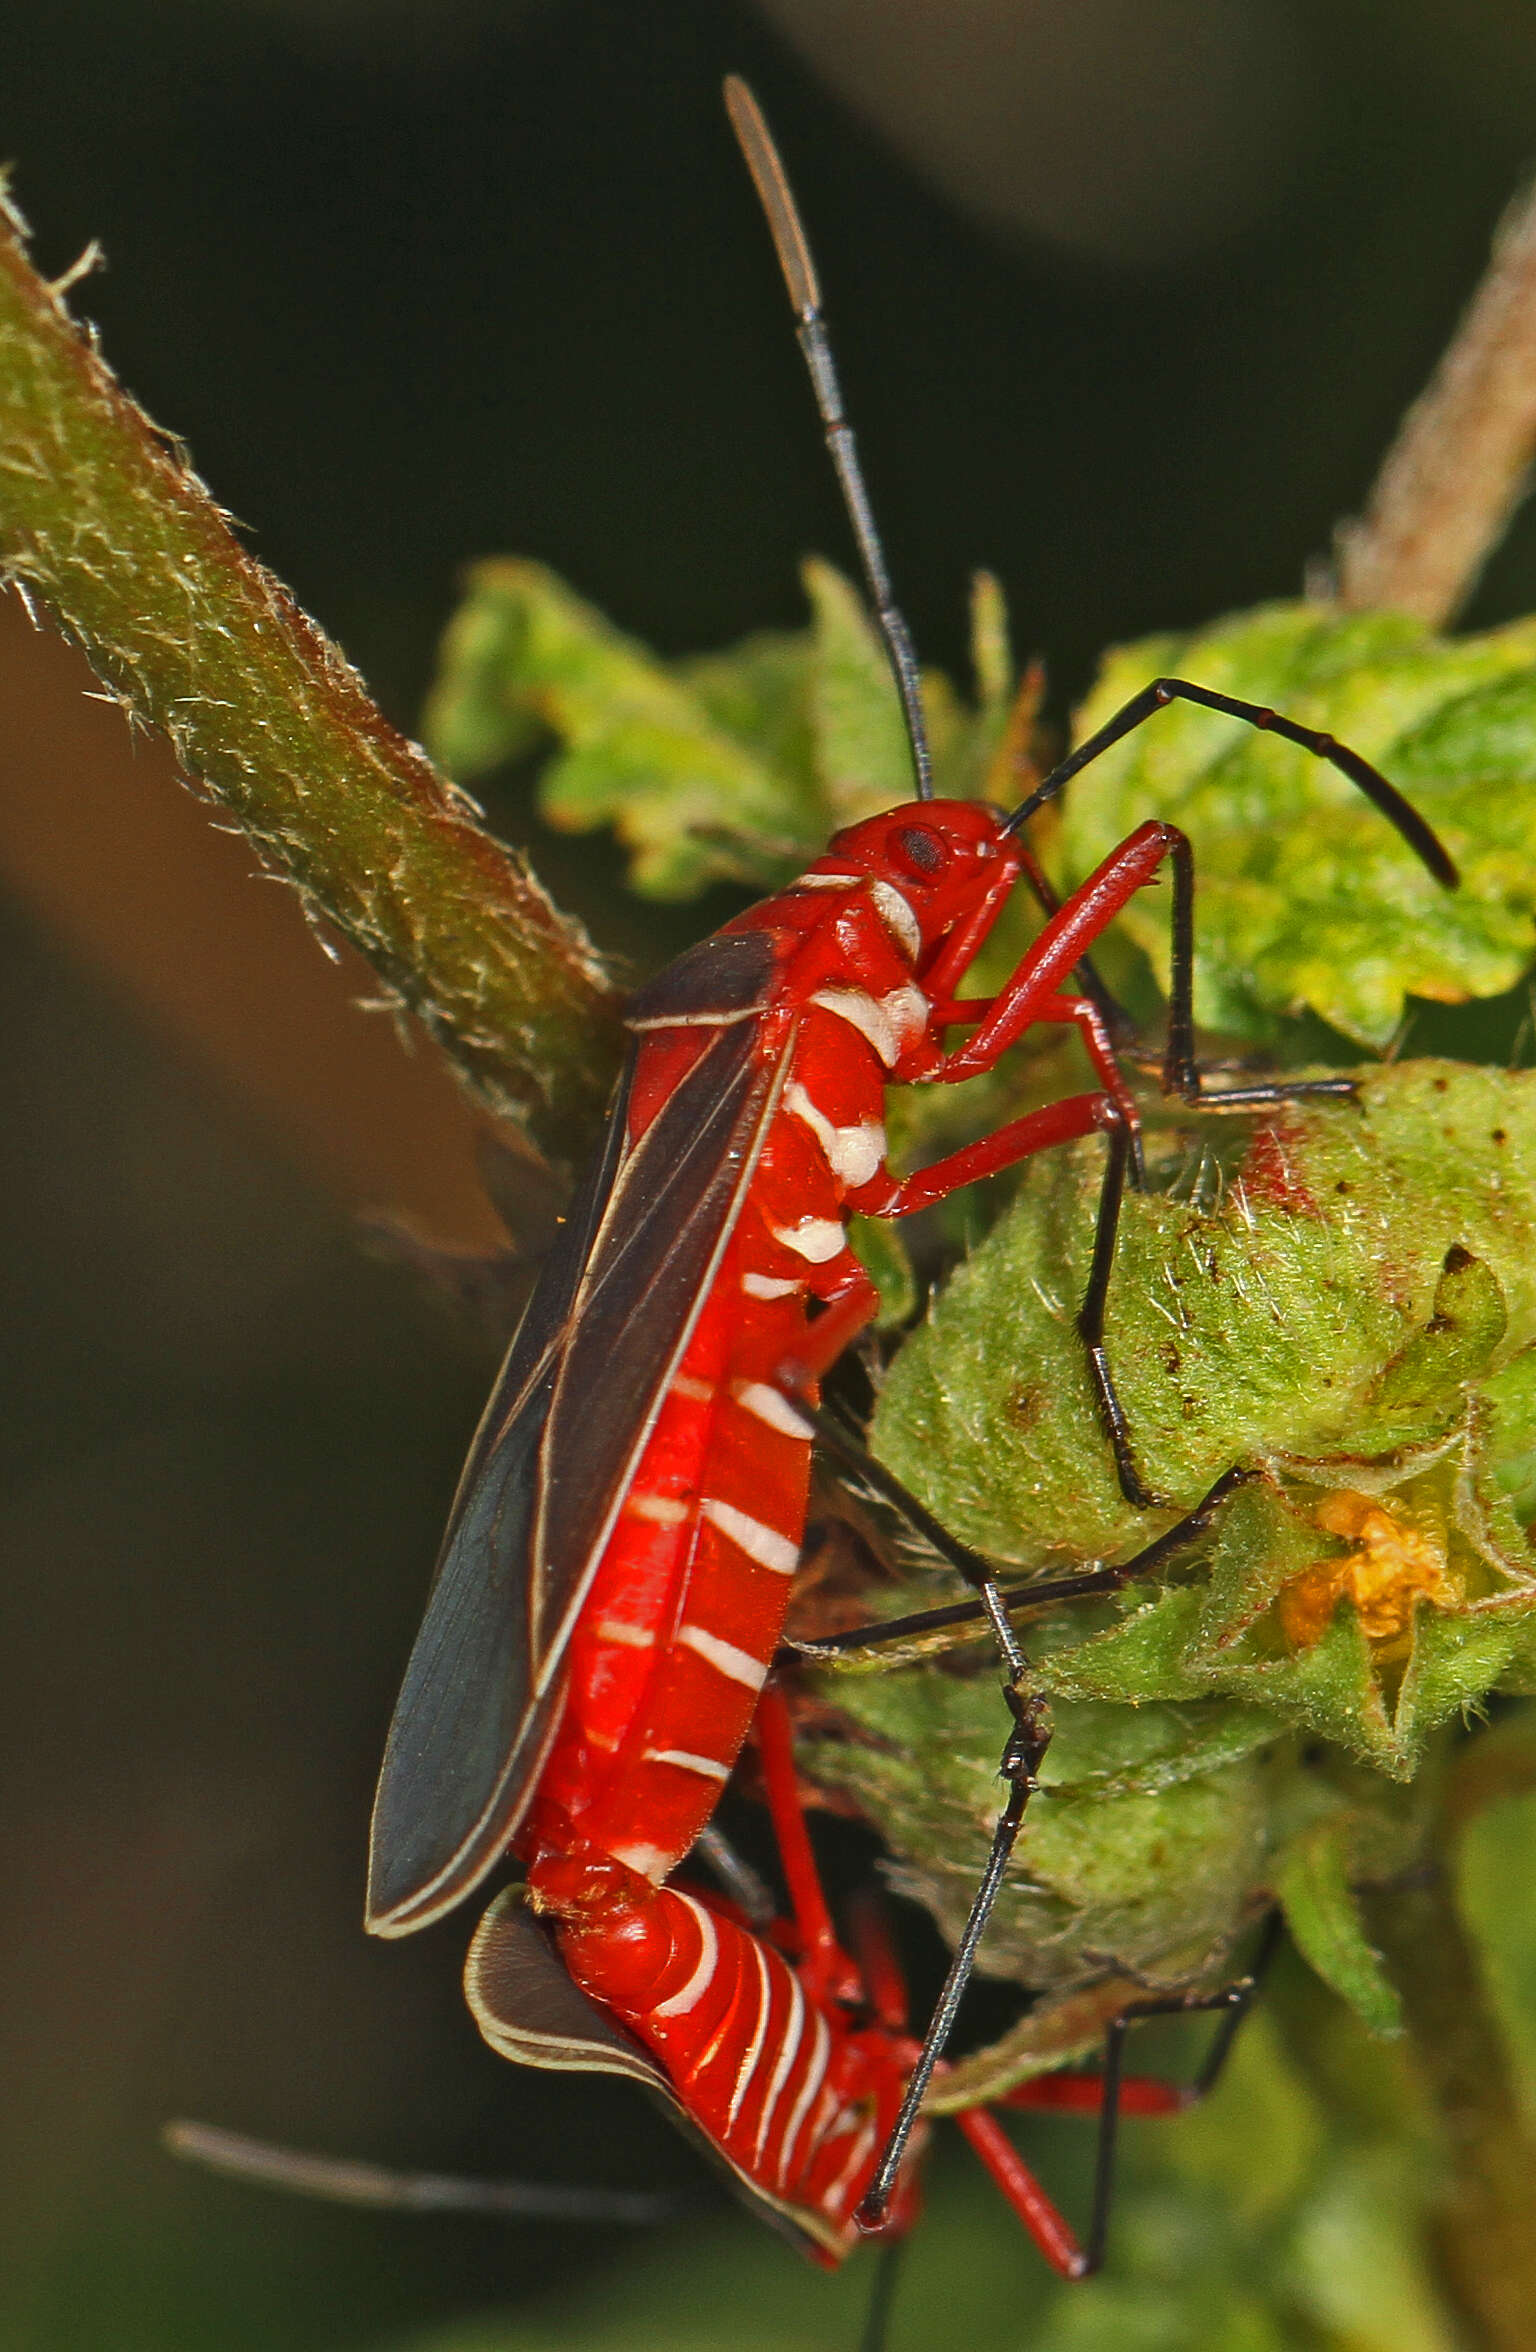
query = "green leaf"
{"x": 1312, "y": 1880}
{"x": 877, "y": 1243}
{"x": 863, "y": 762}
{"x": 734, "y": 765}
{"x": 648, "y": 748}
{"x": 1306, "y": 897}
{"x": 1510, "y": 1398}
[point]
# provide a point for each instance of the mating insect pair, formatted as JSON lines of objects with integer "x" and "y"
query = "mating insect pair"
{"x": 614, "y": 1580}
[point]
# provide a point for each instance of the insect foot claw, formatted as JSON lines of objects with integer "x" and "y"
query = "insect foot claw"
{"x": 872, "y": 2213}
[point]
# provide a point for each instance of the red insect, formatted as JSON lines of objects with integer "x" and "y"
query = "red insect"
{"x": 615, "y": 1575}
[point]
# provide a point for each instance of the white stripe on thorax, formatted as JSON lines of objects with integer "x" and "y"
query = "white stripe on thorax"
{"x": 852, "y": 1153}
{"x": 907, "y": 1010}
{"x": 814, "y": 881}
{"x": 858, "y": 1008}
{"x": 698, "y": 1984}
{"x": 707, "y": 1767}
{"x": 768, "y": 1404}
{"x": 696, "y": 1392}
{"x": 815, "y": 1238}
{"x": 769, "y": 1286}
{"x": 736, "y": 1665}
{"x": 896, "y": 914}
{"x": 763, "y": 1544}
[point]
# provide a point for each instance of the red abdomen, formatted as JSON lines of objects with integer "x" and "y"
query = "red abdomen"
{"x": 797, "y": 2100}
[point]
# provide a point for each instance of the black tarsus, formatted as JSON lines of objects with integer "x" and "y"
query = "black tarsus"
{"x": 1233, "y": 2002}
{"x": 839, "y": 1439}
{"x": 795, "y": 260}
{"x": 1118, "y": 1136}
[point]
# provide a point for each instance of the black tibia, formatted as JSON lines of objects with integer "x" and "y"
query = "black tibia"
{"x": 1119, "y": 1137}
{"x": 1182, "y": 1075}
{"x": 1028, "y": 1737}
{"x": 850, "y": 1449}
{"x": 1019, "y": 1767}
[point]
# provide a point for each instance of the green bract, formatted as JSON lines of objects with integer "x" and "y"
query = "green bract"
{"x": 1354, "y": 1318}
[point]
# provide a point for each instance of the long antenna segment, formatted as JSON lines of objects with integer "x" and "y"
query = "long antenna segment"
{"x": 793, "y": 248}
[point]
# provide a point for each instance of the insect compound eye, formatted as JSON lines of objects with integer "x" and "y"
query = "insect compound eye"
{"x": 920, "y": 851}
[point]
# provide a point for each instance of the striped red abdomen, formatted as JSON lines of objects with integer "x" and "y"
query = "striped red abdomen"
{"x": 688, "y": 1603}
{"x": 795, "y": 2097}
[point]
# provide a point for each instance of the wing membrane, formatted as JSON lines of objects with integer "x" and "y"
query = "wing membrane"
{"x": 529, "y": 2010}
{"x": 547, "y": 1475}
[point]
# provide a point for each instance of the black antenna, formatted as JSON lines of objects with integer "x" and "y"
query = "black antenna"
{"x": 1420, "y": 836}
{"x": 788, "y": 232}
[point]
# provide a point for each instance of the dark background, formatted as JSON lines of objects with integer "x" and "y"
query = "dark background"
{"x": 419, "y": 283}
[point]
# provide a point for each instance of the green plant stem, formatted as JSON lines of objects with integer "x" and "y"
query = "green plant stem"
{"x": 1483, "y": 2234}
{"x": 103, "y": 522}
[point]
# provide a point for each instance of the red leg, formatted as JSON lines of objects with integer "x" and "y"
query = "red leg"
{"x": 1062, "y": 944}
{"x": 854, "y": 1302}
{"x": 869, "y": 1935}
{"x": 973, "y": 1012}
{"x": 822, "y": 1965}
{"x": 965, "y": 943}
{"x": 1048, "y": 2227}
{"x": 1080, "y": 1114}
{"x": 1071, "y": 2093}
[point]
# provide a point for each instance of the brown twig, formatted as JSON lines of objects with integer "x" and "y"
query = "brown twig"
{"x": 1456, "y": 472}
{"x": 104, "y": 523}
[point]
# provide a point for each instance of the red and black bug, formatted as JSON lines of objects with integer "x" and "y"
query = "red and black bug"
{"x": 616, "y": 1570}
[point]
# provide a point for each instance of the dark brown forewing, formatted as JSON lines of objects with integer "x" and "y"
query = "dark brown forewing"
{"x": 670, "y": 1215}
{"x": 527, "y": 2006}
{"x": 724, "y": 979}
{"x": 464, "y": 1729}
{"x": 546, "y": 1475}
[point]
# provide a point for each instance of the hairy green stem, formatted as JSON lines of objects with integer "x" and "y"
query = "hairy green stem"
{"x": 103, "y": 522}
